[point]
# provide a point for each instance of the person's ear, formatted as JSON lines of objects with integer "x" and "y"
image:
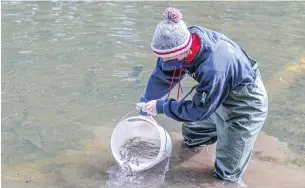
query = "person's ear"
{"x": 189, "y": 52}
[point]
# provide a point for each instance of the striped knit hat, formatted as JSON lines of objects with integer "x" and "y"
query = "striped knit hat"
{"x": 171, "y": 36}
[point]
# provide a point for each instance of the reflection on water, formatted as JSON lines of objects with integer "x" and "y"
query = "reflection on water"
{"x": 70, "y": 69}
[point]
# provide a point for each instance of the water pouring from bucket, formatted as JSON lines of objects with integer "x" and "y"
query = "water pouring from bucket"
{"x": 138, "y": 143}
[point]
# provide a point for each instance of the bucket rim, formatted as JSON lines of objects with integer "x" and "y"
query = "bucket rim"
{"x": 139, "y": 117}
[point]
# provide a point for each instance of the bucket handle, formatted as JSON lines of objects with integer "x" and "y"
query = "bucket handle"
{"x": 127, "y": 115}
{"x": 138, "y": 107}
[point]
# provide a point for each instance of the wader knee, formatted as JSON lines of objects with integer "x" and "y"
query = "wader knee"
{"x": 196, "y": 136}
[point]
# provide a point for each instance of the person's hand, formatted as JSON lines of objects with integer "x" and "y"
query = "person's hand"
{"x": 150, "y": 107}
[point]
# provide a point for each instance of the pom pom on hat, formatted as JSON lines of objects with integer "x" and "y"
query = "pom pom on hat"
{"x": 172, "y": 14}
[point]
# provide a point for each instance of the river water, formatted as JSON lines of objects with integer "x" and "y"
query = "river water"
{"x": 69, "y": 74}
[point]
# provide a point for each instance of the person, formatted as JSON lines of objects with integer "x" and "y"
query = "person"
{"x": 229, "y": 105}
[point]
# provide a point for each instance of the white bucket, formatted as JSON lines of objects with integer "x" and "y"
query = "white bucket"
{"x": 144, "y": 128}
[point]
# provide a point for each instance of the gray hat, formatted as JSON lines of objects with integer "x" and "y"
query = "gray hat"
{"x": 171, "y": 36}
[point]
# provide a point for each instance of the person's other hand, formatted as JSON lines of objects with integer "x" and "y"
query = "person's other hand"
{"x": 150, "y": 107}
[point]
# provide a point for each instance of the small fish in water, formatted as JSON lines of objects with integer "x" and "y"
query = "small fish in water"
{"x": 135, "y": 150}
{"x": 136, "y": 71}
{"x": 90, "y": 79}
{"x": 28, "y": 181}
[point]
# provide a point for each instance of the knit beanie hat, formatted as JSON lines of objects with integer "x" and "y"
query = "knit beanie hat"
{"x": 171, "y": 36}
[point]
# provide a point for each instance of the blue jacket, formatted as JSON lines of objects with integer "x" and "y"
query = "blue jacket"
{"x": 219, "y": 66}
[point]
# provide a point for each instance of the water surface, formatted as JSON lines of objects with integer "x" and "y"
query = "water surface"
{"x": 68, "y": 78}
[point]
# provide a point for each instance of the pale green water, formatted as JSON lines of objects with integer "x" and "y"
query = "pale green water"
{"x": 66, "y": 69}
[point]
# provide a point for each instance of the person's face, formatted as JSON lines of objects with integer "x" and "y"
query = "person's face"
{"x": 180, "y": 57}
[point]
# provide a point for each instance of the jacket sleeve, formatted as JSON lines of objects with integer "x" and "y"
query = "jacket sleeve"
{"x": 159, "y": 83}
{"x": 210, "y": 93}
